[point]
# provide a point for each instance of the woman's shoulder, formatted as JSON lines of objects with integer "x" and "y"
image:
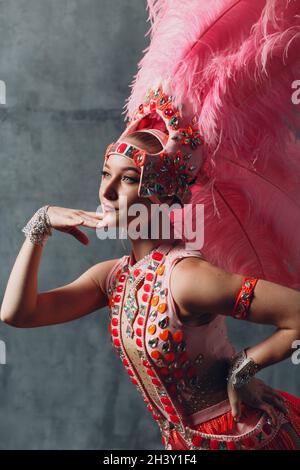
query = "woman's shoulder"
{"x": 105, "y": 270}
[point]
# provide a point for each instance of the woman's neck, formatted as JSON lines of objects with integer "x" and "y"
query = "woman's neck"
{"x": 141, "y": 247}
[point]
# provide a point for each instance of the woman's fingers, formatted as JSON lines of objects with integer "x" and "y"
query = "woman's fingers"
{"x": 79, "y": 235}
{"x": 273, "y": 400}
{"x": 235, "y": 402}
{"x": 270, "y": 411}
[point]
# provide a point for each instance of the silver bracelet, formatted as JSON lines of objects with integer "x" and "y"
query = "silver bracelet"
{"x": 38, "y": 229}
{"x": 241, "y": 370}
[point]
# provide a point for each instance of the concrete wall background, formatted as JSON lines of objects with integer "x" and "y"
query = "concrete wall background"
{"x": 67, "y": 65}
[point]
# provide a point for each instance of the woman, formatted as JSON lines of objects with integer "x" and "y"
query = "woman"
{"x": 208, "y": 89}
{"x": 170, "y": 336}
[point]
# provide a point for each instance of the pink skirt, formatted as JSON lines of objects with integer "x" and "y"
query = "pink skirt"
{"x": 244, "y": 436}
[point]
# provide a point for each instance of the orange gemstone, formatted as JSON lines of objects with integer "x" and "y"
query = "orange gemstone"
{"x": 178, "y": 336}
{"x": 154, "y": 300}
{"x": 160, "y": 270}
{"x": 164, "y": 335}
{"x": 155, "y": 354}
{"x": 152, "y": 329}
{"x": 162, "y": 308}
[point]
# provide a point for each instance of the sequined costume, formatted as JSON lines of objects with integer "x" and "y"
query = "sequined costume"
{"x": 181, "y": 369}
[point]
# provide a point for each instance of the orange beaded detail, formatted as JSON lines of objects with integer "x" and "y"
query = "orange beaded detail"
{"x": 164, "y": 335}
{"x": 152, "y": 329}
{"x": 155, "y": 354}
{"x": 160, "y": 270}
{"x": 154, "y": 300}
{"x": 162, "y": 308}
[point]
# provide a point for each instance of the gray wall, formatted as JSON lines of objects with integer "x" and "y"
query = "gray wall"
{"x": 67, "y": 65}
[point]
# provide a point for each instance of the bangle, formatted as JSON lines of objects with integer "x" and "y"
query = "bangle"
{"x": 242, "y": 369}
{"x": 244, "y": 298}
{"x": 38, "y": 229}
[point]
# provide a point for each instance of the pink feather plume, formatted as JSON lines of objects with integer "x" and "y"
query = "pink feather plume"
{"x": 233, "y": 63}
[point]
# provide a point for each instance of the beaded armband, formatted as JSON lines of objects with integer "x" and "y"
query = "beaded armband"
{"x": 244, "y": 298}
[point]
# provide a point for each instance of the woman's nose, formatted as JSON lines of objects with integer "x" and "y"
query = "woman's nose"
{"x": 110, "y": 192}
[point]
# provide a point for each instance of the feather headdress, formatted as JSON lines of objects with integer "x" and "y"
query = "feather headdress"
{"x": 233, "y": 65}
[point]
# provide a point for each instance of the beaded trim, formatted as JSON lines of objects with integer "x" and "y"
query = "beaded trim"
{"x": 244, "y": 298}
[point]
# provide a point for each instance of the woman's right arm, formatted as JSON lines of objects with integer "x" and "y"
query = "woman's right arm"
{"x": 24, "y": 307}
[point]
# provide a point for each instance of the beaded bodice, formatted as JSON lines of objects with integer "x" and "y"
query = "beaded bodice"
{"x": 180, "y": 370}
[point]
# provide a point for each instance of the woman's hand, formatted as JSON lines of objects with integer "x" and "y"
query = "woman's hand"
{"x": 66, "y": 220}
{"x": 258, "y": 395}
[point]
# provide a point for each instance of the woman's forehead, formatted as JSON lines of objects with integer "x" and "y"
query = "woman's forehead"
{"x": 119, "y": 163}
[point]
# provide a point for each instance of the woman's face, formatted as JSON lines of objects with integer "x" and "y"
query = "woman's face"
{"x": 119, "y": 190}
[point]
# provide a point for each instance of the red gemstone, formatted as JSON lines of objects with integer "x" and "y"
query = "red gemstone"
{"x": 121, "y": 148}
{"x": 117, "y": 298}
{"x": 170, "y": 357}
{"x": 214, "y": 444}
{"x": 120, "y": 288}
{"x": 147, "y": 287}
{"x": 125, "y": 362}
{"x": 140, "y": 321}
{"x": 156, "y": 382}
{"x": 157, "y": 256}
{"x": 156, "y": 417}
{"x": 134, "y": 381}
{"x": 149, "y": 277}
{"x": 170, "y": 409}
{"x": 151, "y": 372}
{"x": 231, "y": 445}
{"x": 138, "y": 331}
{"x": 174, "y": 419}
{"x": 152, "y": 106}
{"x": 165, "y": 401}
{"x": 150, "y": 408}
{"x": 129, "y": 371}
{"x": 196, "y": 441}
{"x": 115, "y": 332}
{"x": 114, "y": 321}
{"x": 146, "y": 363}
{"x": 139, "y": 342}
{"x": 164, "y": 371}
{"x": 122, "y": 278}
{"x": 136, "y": 272}
{"x": 169, "y": 112}
{"x": 117, "y": 343}
{"x": 145, "y": 297}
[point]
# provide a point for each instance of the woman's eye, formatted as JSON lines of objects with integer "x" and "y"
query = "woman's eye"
{"x": 103, "y": 173}
{"x": 132, "y": 180}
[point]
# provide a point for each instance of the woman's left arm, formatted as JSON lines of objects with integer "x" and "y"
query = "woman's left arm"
{"x": 200, "y": 287}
